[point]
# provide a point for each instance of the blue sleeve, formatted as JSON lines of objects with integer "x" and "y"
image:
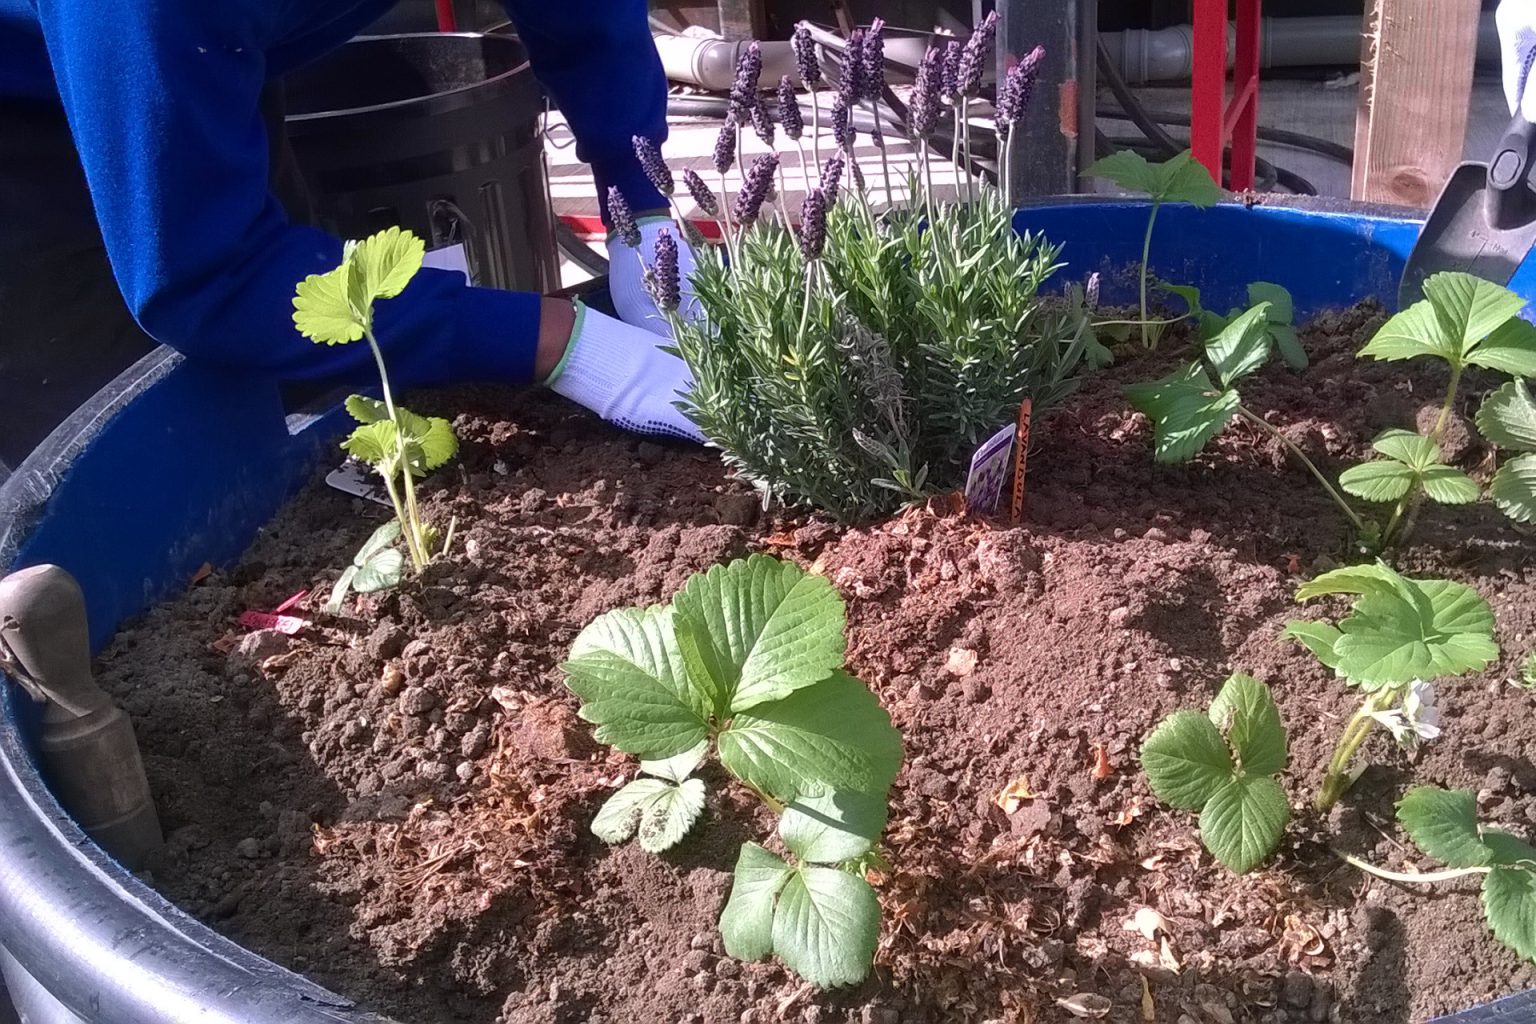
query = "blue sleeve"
{"x": 162, "y": 98}
{"x": 597, "y": 59}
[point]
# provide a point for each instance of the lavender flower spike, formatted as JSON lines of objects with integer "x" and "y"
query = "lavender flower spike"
{"x": 1018, "y": 86}
{"x": 622, "y": 219}
{"x": 950, "y": 78}
{"x": 789, "y": 109}
{"x": 649, "y": 155}
{"x": 813, "y": 224}
{"x": 831, "y": 174}
{"x": 842, "y": 125}
{"x": 806, "y": 63}
{"x": 1091, "y": 292}
{"x": 749, "y": 70}
{"x": 666, "y": 285}
{"x": 754, "y": 189}
{"x": 872, "y": 60}
{"x": 762, "y": 123}
{"x": 725, "y": 147}
{"x": 976, "y": 54}
{"x": 923, "y": 109}
{"x": 851, "y": 87}
{"x": 702, "y": 194}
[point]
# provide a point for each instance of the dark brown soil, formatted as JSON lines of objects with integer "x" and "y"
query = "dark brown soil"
{"x": 397, "y": 804}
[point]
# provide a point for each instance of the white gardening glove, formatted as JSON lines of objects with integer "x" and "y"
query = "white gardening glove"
{"x": 621, "y": 373}
{"x": 626, "y": 277}
{"x": 1516, "y": 20}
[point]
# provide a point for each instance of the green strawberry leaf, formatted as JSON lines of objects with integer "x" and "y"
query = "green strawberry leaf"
{"x": 381, "y": 265}
{"x": 1507, "y": 417}
{"x": 833, "y": 827}
{"x": 1400, "y": 629}
{"x": 1380, "y": 480}
{"x": 1186, "y": 760}
{"x": 321, "y": 310}
{"x": 826, "y": 926}
{"x": 1246, "y": 710}
{"x": 1514, "y": 488}
{"x": 1509, "y": 904}
{"x": 1510, "y": 348}
{"x": 1281, "y": 309}
{"x": 1242, "y": 346}
{"x": 429, "y": 441}
{"x": 669, "y": 817}
{"x": 1318, "y": 637}
{"x": 1189, "y": 293}
{"x": 1456, "y": 314}
{"x": 1449, "y": 486}
{"x": 628, "y": 672}
{"x": 827, "y": 737}
{"x": 1443, "y": 823}
{"x": 1186, "y": 410}
{"x": 619, "y": 816}
{"x": 762, "y": 629}
{"x": 1243, "y": 820}
{"x": 678, "y": 767}
{"x": 1179, "y": 179}
{"x": 377, "y": 444}
{"x": 1288, "y": 344}
{"x": 376, "y": 566}
{"x": 746, "y": 923}
{"x": 365, "y": 409}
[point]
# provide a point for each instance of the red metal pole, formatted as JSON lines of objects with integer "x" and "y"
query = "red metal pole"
{"x": 1208, "y": 99}
{"x": 447, "y": 21}
{"x": 1245, "y": 83}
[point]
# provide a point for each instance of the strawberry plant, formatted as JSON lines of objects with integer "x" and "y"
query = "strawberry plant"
{"x": 1443, "y": 823}
{"x": 1179, "y": 179}
{"x": 1507, "y": 419}
{"x": 1188, "y": 408}
{"x": 336, "y": 308}
{"x": 1280, "y": 317}
{"x": 746, "y": 664}
{"x": 1223, "y": 764}
{"x": 1400, "y": 635}
{"x": 1463, "y": 321}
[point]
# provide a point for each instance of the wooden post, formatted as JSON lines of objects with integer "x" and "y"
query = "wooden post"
{"x": 1416, "y": 62}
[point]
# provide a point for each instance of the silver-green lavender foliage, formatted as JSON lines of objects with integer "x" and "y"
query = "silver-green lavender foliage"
{"x": 917, "y": 344}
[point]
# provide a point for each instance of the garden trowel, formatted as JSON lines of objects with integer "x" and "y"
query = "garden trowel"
{"x": 1484, "y": 222}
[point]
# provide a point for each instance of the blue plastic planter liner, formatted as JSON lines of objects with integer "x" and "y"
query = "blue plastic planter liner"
{"x": 176, "y": 465}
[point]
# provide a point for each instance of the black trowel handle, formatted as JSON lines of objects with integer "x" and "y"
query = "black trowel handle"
{"x": 1511, "y": 197}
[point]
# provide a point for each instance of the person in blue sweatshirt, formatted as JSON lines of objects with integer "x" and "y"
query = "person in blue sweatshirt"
{"x": 142, "y": 176}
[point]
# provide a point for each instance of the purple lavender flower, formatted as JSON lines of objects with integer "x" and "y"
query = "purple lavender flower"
{"x": 975, "y": 55}
{"x": 749, "y": 70}
{"x": 831, "y": 174}
{"x": 762, "y": 123}
{"x": 666, "y": 285}
{"x": 923, "y": 112}
{"x": 950, "y": 77}
{"x": 1018, "y": 86}
{"x": 850, "y": 86}
{"x": 725, "y": 147}
{"x": 754, "y": 189}
{"x": 813, "y": 224}
{"x": 872, "y": 60}
{"x": 622, "y": 219}
{"x": 805, "y": 56}
{"x": 702, "y": 194}
{"x": 858, "y": 174}
{"x": 789, "y": 109}
{"x": 649, "y": 155}
{"x": 842, "y": 124}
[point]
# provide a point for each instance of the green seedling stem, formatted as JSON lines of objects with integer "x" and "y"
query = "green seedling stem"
{"x": 1147, "y": 340}
{"x": 1337, "y": 779}
{"x": 1290, "y": 446}
{"x": 414, "y": 542}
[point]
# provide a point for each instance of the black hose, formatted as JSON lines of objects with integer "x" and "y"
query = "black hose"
{"x": 1278, "y": 136}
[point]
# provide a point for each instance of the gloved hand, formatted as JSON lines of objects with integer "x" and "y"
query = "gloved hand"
{"x": 1516, "y": 20}
{"x": 621, "y": 373}
{"x": 626, "y": 277}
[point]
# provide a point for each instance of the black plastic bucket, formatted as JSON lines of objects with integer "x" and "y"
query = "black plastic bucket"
{"x": 438, "y": 133}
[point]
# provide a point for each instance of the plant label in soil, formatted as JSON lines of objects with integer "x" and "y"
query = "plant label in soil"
{"x": 989, "y": 467}
{"x": 353, "y": 478}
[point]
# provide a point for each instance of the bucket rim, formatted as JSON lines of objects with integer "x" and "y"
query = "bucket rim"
{"x": 449, "y": 98}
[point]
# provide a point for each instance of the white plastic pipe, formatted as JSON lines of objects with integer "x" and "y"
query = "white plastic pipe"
{"x": 1156, "y": 55}
{"x": 711, "y": 63}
